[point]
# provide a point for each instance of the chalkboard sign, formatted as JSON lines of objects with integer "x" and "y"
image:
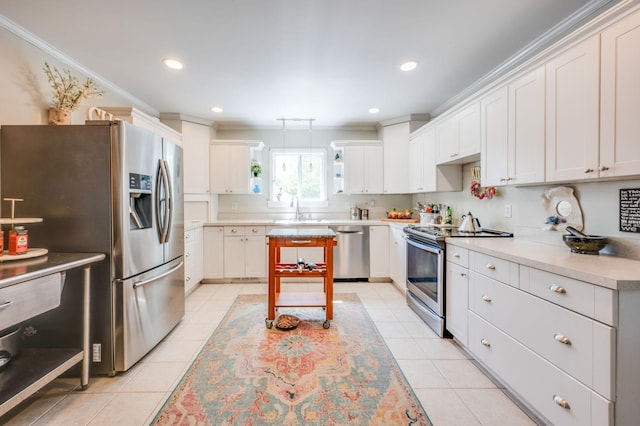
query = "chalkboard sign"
{"x": 630, "y": 210}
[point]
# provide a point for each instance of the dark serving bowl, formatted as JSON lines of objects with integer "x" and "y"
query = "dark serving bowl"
{"x": 585, "y": 245}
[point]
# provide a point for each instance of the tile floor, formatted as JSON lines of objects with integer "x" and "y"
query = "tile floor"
{"x": 452, "y": 390}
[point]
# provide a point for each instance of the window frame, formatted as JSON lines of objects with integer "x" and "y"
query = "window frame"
{"x": 323, "y": 201}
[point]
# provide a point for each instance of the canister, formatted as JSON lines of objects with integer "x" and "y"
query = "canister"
{"x": 364, "y": 213}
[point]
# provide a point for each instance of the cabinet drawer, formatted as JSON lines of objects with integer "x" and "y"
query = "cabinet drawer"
{"x": 574, "y": 343}
{"x": 494, "y": 267}
{"x": 22, "y": 301}
{"x": 573, "y": 294}
{"x": 458, "y": 255}
{"x": 233, "y": 231}
{"x": 537, "y": 381}
{"x": 254, "y": 230}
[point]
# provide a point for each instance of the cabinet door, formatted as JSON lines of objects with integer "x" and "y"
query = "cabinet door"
{"x": 620, "y": 103}
{"x": 219, "y": 166}
{"x": 213, "y": 252}
{"x": 527, "y": 128}
{"x": 379, "y": 251}
{"x": 416, "y": 163}
{"x": 234, "y": 258}
{"x": 195, "y": 142}
{"x": 469, "y": 130}
{"x": 354, "y": 169}
{"x": 447, "y": 140}
{"x": 494, "y": 113}
{"x": 396, "y": 151}
{"x": 572, "y": 112}
{"x": 398, "y": 256}
{"x": 457, "y": 301}
{"x": 373, "y": 157}
{"x": 238, "y": 169}
{"x": 255, "y": 252}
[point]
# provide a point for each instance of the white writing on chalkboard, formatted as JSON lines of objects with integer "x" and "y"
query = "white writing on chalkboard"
{"x": 630, "y": 210}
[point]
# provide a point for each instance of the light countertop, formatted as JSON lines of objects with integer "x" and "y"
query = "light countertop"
{"x": 606, "y": 271}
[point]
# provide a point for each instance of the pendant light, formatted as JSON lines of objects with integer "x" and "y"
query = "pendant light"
{"x": 284, "y": 131}
{"x": 310, "y": 144}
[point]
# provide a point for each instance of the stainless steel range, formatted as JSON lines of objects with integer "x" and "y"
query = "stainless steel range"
{"x": 426, "y": 270}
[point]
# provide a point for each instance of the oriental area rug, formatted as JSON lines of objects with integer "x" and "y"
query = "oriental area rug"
{"x": 247, "y": 374}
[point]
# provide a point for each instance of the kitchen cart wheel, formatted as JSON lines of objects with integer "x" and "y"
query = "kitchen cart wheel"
{"x": 268, "y": 323}
{"x": 326, "y": 324}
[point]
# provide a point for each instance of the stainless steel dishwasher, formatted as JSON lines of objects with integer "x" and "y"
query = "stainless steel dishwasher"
{"x": 351, "y": 255}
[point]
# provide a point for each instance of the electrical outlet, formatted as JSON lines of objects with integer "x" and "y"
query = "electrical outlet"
{"x": 507, "y": 210}
{"x": 97, "y": 352}
{"x": 234, "y": 206}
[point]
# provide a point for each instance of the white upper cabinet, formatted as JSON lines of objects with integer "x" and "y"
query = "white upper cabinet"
{"x": 494, "y": 162}
{"x": 425, "y": 175}
{"x": 458, "y": 136}
{"x": 230, "y": 166}
{"x": 195, "y": 142}
{"x": 620, "y": 99}
{"x": 513, "y": 132}
{"x": 363, "y": 167}
{"x": 396, "y": 151}
{"x": 573, "y": 112}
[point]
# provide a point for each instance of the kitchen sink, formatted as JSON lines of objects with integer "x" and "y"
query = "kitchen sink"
{"x": 299, "y": 222}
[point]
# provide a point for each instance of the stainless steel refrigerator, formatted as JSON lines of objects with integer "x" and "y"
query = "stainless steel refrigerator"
{"x": 112, "y": 188}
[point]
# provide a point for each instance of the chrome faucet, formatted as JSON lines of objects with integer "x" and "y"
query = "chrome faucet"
{"x": 298, "y": 215}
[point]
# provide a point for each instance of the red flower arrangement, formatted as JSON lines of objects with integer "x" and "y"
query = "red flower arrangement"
{"x": 480, "y": 193}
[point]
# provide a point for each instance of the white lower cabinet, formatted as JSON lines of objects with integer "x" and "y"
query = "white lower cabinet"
{"x": 379, "y": 251}
{"x": 457, "y": 292}
{"x": 548, "y": 389}
{"x": 397, "y": 255}
{"x": 193, "y": 258}
{"x": 245, "y": 252}
{"x": 213, "y": 252}
{"x": 550, "y": 339}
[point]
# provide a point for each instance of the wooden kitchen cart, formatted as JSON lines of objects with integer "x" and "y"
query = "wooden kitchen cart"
{"x": 279, "y": 238}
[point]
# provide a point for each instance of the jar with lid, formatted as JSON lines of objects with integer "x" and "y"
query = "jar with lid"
{"x": 18, "y": 240}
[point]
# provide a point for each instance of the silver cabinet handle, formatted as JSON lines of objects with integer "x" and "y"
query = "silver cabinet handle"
{"x": 589, "y": 171}
{"x": 486, "y": 298}
{"x": 485, "y": 342}
{"x": 561, "y": 401}
{"x": 301, "y": 241}
{"x": 604, "y": 168}
{"x": 6, "y": 304}
{"x": 254, "y": 230}
{"x": 234, "y": 230}
{"x": 557, "y": 289}
{"x": 462, "y": 274}
{"x": 456, "y": 255}
{"x": 490, "y": 266}
{"x": 562, "y": 339}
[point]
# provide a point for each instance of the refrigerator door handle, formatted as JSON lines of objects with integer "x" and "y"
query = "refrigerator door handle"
{"x": 169, "y": 195}
{"x": 156, "y": 278}
{"x": 162, "y": 203}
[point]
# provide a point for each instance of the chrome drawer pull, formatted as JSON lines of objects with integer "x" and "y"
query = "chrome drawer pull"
{"x": 486, "y": 298}
{"x": 562, "y": 339}
{"x": 456, "y": 254}
{"x": 490, "y": 266}
{"x": 557, "y": 289}
{"x": 589, "y": 171}
{"x": 233, "y": 231}
{"x": 561, "y": 401}
{"x": 6, "y": 304}
{"x": 462, "y": 274}
{"x": 604, "y": 168}
{"x": 301, "y": 241}
{"x": 254, "y": 230}
{"x": 485, "y": 342}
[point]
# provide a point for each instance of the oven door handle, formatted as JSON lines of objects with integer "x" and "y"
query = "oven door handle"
{"x": 423, "y": 246}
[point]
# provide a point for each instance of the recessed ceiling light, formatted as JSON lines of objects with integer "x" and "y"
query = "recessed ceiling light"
{"x": 173, "y": 63}
{"x": 409, "y": 65}
{"x": 374, "y": 110}
{"x": 216, "y": 109}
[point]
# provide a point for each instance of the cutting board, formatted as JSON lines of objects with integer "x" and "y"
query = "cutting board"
{"x": 401, "y": 220}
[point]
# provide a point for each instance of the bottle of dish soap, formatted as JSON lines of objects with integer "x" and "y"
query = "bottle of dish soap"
{"x": 447, "y": 216}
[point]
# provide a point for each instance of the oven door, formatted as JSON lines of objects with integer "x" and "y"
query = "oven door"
{"x": 425, "y": 274}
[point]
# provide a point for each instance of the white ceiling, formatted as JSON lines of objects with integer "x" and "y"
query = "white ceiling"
{"x": 330, "y": 60}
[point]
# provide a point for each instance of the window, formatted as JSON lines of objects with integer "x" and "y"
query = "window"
{"x": 299, "y": 174}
